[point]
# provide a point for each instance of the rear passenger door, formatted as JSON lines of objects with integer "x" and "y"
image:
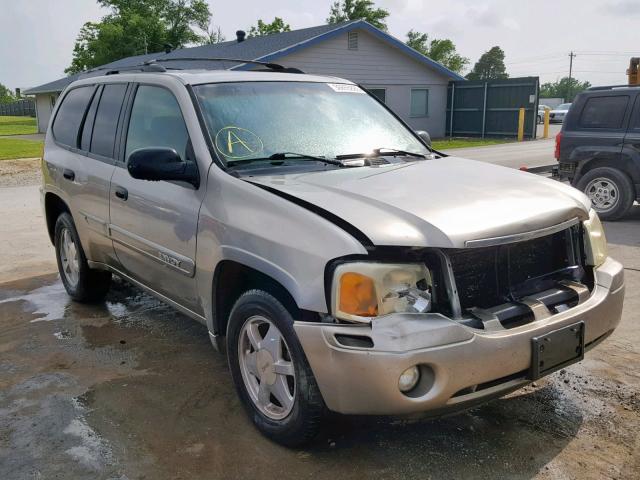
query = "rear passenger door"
{"x": 631, "y": 147}
{"x": 85, "y": 127}
{"x": 154, "y": 223}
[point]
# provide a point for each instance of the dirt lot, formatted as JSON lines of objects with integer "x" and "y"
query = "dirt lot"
{"x": 131, "y": 389}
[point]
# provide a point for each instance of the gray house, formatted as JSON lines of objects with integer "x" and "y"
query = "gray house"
{"x": 413, "y": 85}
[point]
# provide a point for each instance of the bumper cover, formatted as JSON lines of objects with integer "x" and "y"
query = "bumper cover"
{"x": 461, "y": 366}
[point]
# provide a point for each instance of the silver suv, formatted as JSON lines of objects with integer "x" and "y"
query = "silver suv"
{"x": 340, "y": 261}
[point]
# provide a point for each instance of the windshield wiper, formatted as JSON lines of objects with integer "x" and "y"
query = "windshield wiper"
{"x": 280, "y": 156}
{"x": 379, "y": 152}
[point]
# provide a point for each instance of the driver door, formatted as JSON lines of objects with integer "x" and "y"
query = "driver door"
{"x": 154, "y": 223}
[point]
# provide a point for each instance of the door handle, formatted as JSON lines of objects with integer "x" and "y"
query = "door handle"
{"x": 69, "y": 174}
{"x": 122, "y": 193}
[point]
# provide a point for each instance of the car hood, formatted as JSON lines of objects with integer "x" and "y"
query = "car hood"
{"x": 440, "y": 203}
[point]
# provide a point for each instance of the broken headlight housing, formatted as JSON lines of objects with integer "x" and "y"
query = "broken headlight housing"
{"x": 362, "y": 290}
{"x": 595, "y": 240}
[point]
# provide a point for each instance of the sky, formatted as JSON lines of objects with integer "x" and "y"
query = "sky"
{"x": 37, "y": 36}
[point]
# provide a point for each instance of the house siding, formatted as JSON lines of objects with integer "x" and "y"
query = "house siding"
{"x": 376, "y": 64}
{"x": 44, "y": 107}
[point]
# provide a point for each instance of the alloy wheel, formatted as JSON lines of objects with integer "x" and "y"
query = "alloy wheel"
{"x": 267, "y": 368}
{"x": 69, "y": 257}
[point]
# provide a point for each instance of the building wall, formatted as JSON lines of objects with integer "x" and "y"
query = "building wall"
{"x": 375, "y": 64}
{"x": 44, "y": 106}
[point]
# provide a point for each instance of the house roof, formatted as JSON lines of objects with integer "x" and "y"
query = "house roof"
{"x": 264, "y": 48}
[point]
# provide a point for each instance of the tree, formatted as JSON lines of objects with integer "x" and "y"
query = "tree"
{"x": 342, "y": 11}
{"x": 213, "y": 35}
{"x": 441, "y": 50}
{"x": 563, "y": 88}
{"x": 6, "y": 95}
{"x": 134, "y": 27}
{"x": 262, "y": 28}
{"x": 490, "y": 66}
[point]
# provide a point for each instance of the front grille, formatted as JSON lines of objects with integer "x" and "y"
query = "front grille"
{"x": 492, "y": 276}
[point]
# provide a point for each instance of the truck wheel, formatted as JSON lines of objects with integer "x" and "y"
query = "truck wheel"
{"x": 539, "y": 119}
{"x": 610, "y": 191}
{"x": 270, "y": 370}
{"x": 81, "y": 282}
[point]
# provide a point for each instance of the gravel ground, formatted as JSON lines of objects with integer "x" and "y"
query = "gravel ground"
{"x": 21, "y": 172}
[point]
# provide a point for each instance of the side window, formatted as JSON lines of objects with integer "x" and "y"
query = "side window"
{"x": 156, "y": 121}
{"x": 70, "y": 115}
{"x": 87, "y": 127}
{"x": 419, "y": 102}
{"x": 106, "y": 122}
{"x": 636, "y": 115}
{"x": 604, "y": 112}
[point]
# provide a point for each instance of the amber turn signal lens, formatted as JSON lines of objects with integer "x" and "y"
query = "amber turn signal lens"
{"x": 358, "y": 295}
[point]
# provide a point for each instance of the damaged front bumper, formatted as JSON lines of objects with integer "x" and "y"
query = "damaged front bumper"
{"x": 357, "y": 367}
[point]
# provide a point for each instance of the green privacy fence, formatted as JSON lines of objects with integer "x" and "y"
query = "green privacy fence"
{"x": 20, "y": 108}
{"x": 490, "y": 109}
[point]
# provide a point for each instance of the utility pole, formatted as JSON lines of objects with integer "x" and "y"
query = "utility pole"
{"x": 571, "y": 56}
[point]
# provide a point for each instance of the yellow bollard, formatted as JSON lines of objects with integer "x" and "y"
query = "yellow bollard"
{"x": 521, "y": 125}
{"x": 545, "y": 134}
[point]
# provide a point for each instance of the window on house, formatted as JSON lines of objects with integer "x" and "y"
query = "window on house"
{"x": 379, "y": 93}
{"x": 353, "y": 40}
{"x": 419, "y": 102}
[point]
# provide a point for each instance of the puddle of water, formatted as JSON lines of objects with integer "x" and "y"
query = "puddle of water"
{"x": 49, "y": 302}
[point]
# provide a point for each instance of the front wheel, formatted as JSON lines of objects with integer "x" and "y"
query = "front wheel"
{"x": 270, "y": 371}
{"x": 610, "y": 191}
{"x": 82, "y": 283}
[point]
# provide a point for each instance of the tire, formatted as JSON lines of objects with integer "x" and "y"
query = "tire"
{"x": 610, "y": 191}
{"x": 296, "y": 419}
{"x": 82, "y": 283}
{"x": 539, "y": 119}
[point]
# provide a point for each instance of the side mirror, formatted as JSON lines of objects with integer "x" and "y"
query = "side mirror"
{"x": 426, "y": 138}
{"x": 160, "y": 163}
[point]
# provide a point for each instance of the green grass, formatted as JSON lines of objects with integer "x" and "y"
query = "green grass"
{"x": 448, "y": 144}
{"x": 16, "y": 148}
{"x": 17, "y": 125}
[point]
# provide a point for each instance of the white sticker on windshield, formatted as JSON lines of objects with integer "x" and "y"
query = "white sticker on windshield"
{"x": 345, "y": 88}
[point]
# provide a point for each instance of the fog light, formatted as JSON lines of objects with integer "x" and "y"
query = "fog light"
{"x": 409, "y": 379}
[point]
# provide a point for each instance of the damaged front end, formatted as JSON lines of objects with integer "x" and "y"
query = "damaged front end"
{"x": 500, "y": 286}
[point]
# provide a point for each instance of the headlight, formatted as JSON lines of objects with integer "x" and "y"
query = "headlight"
{"x": 595, "y": 241}
{"x": 362, "y": 290}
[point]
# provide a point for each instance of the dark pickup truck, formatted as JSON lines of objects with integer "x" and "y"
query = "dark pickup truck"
{"x": 598, "y": 148}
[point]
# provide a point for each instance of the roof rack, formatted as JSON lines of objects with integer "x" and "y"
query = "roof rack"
{"x": 153, "y": 65}
{"x": 612, "y": 87}
{"x": 270, "y": 66}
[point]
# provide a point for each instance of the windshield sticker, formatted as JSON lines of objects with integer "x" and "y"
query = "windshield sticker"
{"x": 236, "y": 142}
{"x": 345, "y": 88}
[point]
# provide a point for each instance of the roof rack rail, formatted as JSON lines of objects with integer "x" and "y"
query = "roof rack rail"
{"x": 153, "y": 65}
{"x": 269, "y": 65}
{"x": 145, "y": 67}
{"x": 612, "y": 87}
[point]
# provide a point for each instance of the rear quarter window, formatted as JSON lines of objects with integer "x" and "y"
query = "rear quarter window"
{"x": 604, "y": 112}
{"x": 70, "y": 115}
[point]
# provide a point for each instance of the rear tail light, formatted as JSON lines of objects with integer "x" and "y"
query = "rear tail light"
{"x": 558, "y": 140}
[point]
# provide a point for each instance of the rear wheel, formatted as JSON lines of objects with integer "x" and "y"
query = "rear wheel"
{"x": 82, "y": 283}
{"x": 270, "y": 371}
{"x": 610, "y": 191}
